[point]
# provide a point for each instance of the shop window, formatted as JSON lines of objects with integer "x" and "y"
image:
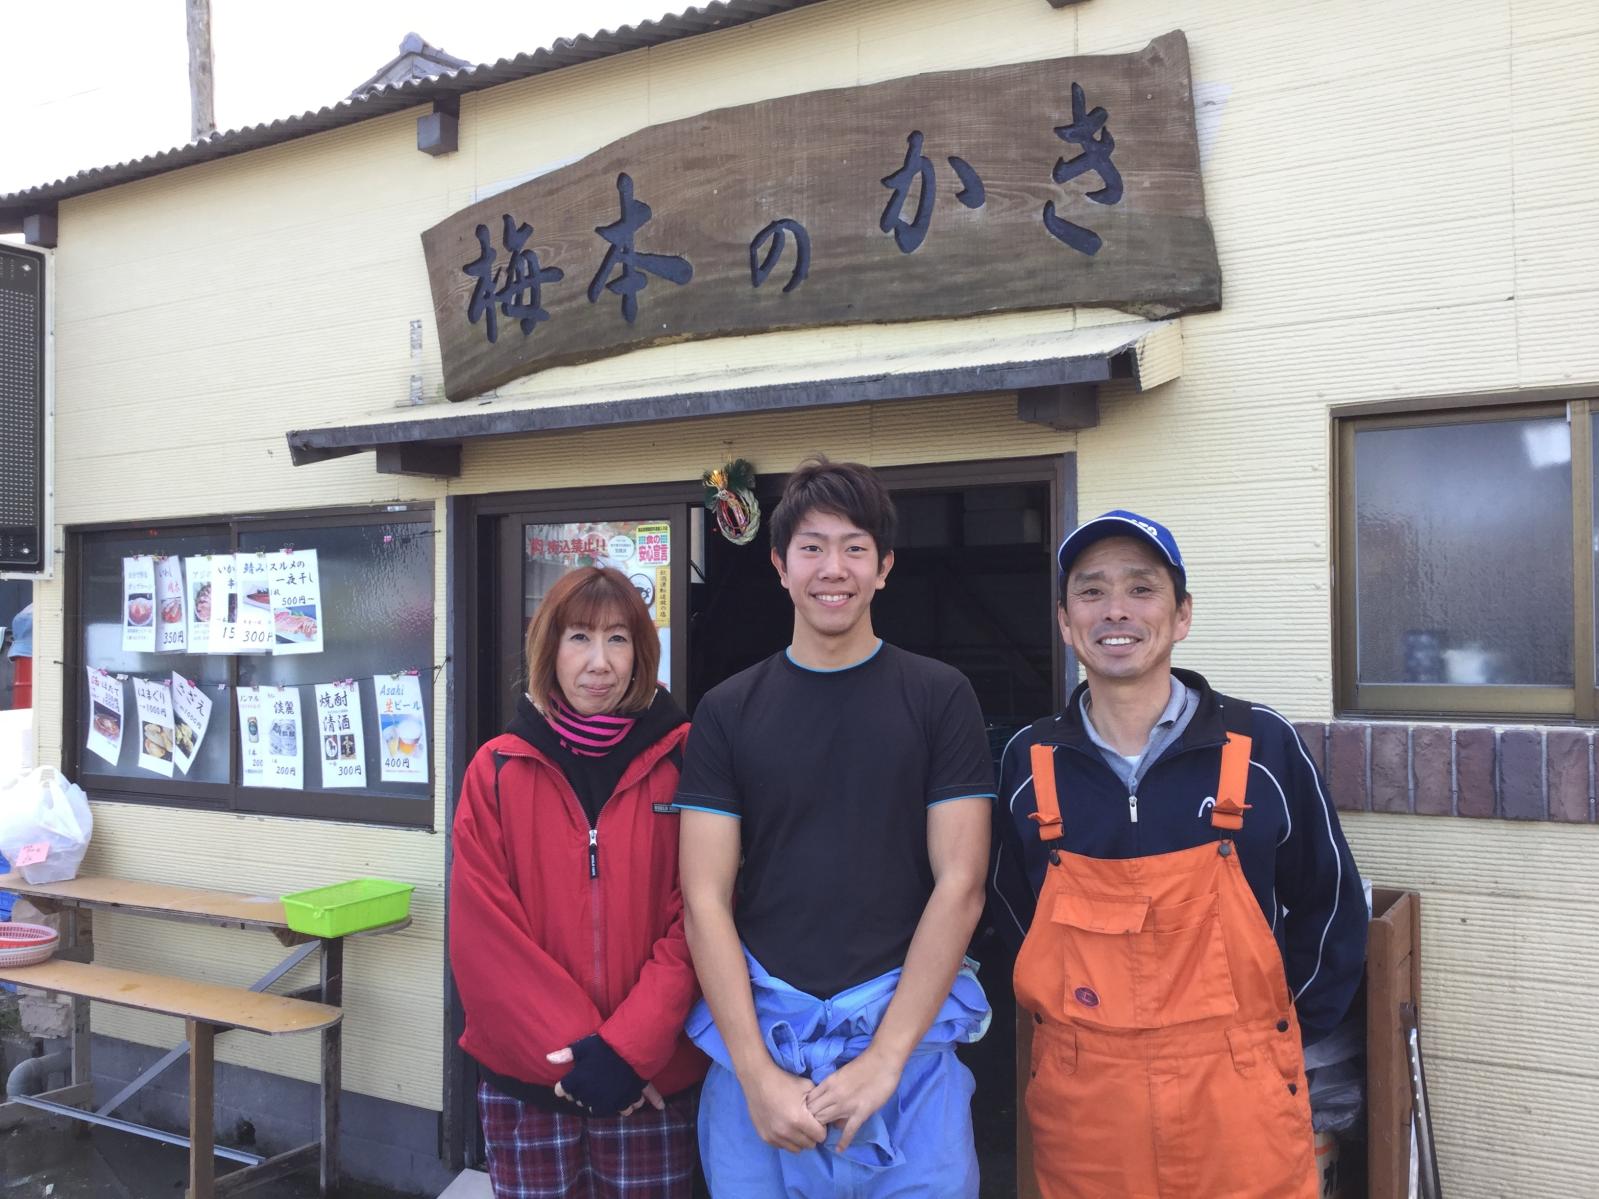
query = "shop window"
{"x": 1466, "y": 553}
{"x": 342, "y": 652}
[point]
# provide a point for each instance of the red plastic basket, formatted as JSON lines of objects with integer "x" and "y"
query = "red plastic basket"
{"x": 26, "y": 944}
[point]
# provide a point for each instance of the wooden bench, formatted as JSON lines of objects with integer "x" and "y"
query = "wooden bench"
{"x": 207, "y": 1010}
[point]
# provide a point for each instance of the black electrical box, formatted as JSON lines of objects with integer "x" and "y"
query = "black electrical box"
{"x": 22, "y": 415}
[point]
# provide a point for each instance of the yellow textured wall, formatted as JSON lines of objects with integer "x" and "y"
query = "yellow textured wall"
{"x": 1510, "y": 918}
{"x": 1404, "y": 202}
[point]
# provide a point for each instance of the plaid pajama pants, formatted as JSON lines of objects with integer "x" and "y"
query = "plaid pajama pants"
{"x": 537, "y": 1154}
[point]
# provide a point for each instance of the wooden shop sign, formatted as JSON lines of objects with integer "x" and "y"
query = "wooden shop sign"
{"x": 1036, "y": 185}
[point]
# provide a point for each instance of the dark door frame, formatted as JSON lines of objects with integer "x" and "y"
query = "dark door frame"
{"x": 474, "y": 554}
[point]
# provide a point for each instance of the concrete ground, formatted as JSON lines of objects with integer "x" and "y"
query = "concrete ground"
{"x": 45, "y": 1157}
{"x": 42, "y": 1157}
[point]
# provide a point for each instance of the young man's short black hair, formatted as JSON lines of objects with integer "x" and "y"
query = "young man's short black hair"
{"x": 845, "y": 489}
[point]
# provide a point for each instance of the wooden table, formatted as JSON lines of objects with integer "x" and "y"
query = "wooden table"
{"x": 206, "y": 1008}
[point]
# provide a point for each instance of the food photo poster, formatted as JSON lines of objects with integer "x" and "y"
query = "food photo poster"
{"x": 402, "y": 729}
{"x": 191, "y": 709}
{"x": 153, "y": 699}
{"x": 296, "y": 601}
{"x": 338, "y": 717}
{"x": 138, "y": 604}
{"x": 253, "y": 575}
{"x": 172, "y": 625}
{"x": 197, "y": 571}
{"x": 105, "y": 719}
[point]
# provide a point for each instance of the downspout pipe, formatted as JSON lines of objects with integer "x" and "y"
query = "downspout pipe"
{"x": 32, "y": 1077}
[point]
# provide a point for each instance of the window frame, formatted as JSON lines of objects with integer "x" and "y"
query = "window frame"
{"x": 1454, "y": 702}
{"x": 355, "y": 806}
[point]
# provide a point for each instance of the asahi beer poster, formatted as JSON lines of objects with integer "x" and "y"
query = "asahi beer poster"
{"x": 224, "y": 602}
{"x": 191, "y": 710}
{"x": 252, "y": 731}
{"x": 197, "y": 573}
{"x": 402, "y": 728}
{"x": 138, "y": 604}
{"x": 338, "y": 718}
{"x": 153, "y": 699}
{"x": 105, "y": 715}
{"x": 253, "y": 574}
{"x": 172, "y": 623}
{"x": 296, "y": 592}
{"x": 280, "y": 709}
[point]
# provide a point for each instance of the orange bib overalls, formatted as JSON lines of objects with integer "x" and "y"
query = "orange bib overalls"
{"x": 1166, "y": 1057}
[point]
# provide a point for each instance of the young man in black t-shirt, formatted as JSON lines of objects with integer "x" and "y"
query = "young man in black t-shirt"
{"x": 841, "y": 791}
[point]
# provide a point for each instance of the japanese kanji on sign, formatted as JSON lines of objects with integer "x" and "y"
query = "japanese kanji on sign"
{"x": 1033, "y": 185}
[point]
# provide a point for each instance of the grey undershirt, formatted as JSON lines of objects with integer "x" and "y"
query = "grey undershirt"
{"x": 1173, "y": 720}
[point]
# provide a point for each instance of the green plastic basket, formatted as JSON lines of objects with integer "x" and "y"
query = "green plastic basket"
{"x": 346, "y": 908}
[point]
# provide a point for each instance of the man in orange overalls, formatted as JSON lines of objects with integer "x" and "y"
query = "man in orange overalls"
{"x": 1192, "y": 915}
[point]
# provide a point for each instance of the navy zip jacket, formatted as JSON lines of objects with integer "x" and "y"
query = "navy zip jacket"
{"x": 1291, "y": 847}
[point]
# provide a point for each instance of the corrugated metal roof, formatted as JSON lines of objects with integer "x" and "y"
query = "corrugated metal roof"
{"x": 567, "y": 52}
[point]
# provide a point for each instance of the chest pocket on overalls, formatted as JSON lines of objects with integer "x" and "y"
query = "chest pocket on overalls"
{"x": 1130, "y": 963}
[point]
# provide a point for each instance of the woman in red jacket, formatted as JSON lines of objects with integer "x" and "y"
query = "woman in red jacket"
{"x": 566, "y": 923}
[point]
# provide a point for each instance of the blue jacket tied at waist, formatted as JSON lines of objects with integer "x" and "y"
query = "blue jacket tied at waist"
{"x": 903, "y": 1150}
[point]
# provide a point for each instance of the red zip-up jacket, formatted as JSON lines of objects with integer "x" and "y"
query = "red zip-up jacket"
{"x": 559, "y": 930}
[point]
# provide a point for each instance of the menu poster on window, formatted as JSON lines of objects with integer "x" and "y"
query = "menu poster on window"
{"x": 280, "y": 709}
{"x": 253, "y": 575}
{"x": 105, "y": 715}
{"x": 172, "y": 624}
{"x": 338, "y": 723}
{"x": 402, "y": 728}
{"x": 191, "y": 709}
{"x": 252, "y": 731}
{"x": 138, "y": 604}
{"x": 197, "y": 572}
{"x": 153, "y": 699}
{"x": 224, "y": 602}
{"x": 296, "y": 603}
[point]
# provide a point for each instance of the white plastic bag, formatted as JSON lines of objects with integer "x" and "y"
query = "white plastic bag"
{"x": 45, "y": 825}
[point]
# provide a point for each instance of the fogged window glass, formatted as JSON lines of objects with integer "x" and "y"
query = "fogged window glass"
{"x": 101, "y": 649}
{"x": 377, "y": 616}
{"x": 1463, "y": 553}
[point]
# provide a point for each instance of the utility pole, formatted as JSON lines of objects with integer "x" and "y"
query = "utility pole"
{"x": 202, "y": 84}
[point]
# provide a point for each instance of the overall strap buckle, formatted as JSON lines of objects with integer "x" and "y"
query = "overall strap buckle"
{"x": 1233, "y": 781}
{"x": 1046, "y": 813}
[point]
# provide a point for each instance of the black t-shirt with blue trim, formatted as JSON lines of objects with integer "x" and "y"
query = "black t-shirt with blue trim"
{"x": 831, "y": 774}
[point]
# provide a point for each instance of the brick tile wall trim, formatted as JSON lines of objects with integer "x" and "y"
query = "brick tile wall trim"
{"x": 1509, "y": 773}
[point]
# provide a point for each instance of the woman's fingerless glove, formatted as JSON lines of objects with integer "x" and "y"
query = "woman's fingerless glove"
{"x": 600, "y": 1079}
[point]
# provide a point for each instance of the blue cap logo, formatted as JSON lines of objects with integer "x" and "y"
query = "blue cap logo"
{"x": 1119, "y": 522}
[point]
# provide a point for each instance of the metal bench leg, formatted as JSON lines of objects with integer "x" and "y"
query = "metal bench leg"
{"x": 260, "y": 984}
{"x": 82, "y": 1081}
{"x": 332, "y": 1064}
{"x": 202, "y": 1131}
{"x": 82, "y": 1069}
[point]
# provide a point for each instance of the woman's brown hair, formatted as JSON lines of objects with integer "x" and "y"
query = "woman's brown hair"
{"x": 589, "y": 596}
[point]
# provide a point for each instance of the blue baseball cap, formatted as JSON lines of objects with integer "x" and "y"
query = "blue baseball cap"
{"x": 1119, "y": 522}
